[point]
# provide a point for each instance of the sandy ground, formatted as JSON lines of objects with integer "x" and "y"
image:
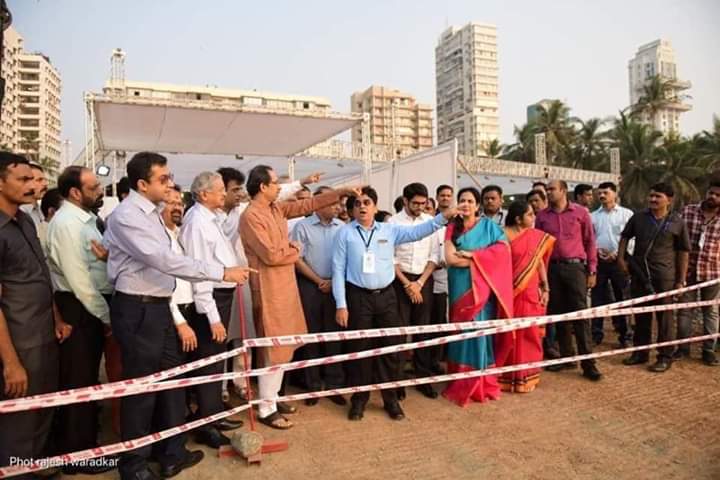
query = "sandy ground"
{"x": 632, "y": 425}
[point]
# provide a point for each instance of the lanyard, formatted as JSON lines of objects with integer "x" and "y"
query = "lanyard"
{"x": 369, "y": 240}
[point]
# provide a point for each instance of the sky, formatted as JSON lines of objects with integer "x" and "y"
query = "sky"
{"x": 574, "y": 50}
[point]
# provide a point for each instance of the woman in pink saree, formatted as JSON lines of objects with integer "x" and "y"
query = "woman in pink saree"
{"x": 531, "y": 251}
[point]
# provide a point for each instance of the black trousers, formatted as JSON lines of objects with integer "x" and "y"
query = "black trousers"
{"x": 148, "y": 344}
{"x": 319, "y": 311}
{"x": 25, "y": 434}
{"x": 376, "y": 309}
{"x": 425, "y": 360}
{"x": 440, "y": 315}
{"x": 568, "y": 293}
{"x": 643, "y": 321}
{"x": 76, "y": 426}
{"x": 209, "y": 395}
{"x": 609, "y": 279}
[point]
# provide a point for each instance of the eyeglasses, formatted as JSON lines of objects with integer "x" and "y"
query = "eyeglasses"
{"x": 363, "y": 203}
{"x": 419, "y": 204}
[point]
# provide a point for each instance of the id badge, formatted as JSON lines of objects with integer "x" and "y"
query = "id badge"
{"x": 368, "y": 262}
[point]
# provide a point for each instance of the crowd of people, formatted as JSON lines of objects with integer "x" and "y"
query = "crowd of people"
{"x": 158, "y": 283}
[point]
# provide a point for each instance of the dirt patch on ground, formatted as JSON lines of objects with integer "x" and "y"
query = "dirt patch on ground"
{"x": 632, "y": 425}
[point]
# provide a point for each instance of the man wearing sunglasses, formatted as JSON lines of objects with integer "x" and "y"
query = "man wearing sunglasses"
{"x": 363, "y": 273}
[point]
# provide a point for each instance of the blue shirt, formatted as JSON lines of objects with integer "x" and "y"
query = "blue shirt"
{"x": 381, "y": 239}
{"x": 141, "y": 260}
{"x": 317, "y": 239}
{"x": 608, "y": 225}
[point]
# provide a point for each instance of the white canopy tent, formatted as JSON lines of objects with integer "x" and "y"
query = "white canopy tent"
{"x": 127, "y": 124}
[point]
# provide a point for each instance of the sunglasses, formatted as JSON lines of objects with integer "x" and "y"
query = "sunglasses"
{"x": 363, "y": 203}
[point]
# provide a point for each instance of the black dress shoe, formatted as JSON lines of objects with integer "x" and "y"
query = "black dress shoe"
{"x": 427, "y": 390}
{"x": 592, "y": 373}
{"x": 95, "y": 466}
{"x": 311, "y": 402}
{"x": 211, "y": 437}
{"x": 551, "y": 354}
{"x": 356, "y": 412}
{"x": 226, "y": 424}
{"x": 338, "y": 400}
{"x": 394, "y": 411}
{"x": 635, "y": 359}
{"x": 145, "y": 474}
{"x": 680, "y": 353}
{"x": 400, "y": 391}
{"x": 561, "y": 366}
{"x": 710, "y": 359}
{"x": 191, "y": 459}
{"x": 661, "y": 365}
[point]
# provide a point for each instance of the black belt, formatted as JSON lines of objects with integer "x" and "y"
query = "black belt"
{"x": 224, "y": 289}
{"x": 143, "y": 298}
{"x": 367, "y": 290}
{"x": 567, "y": 261}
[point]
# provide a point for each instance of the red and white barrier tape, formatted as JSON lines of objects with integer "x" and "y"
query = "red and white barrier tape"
{"x": 115, "y": 448}
{"x": 489, "y": 371}
{"x": 121, "y": 447}
{"x": 111, "y": 389}
{"x": 29, "y": 403}
{"x": 288, "y": 340}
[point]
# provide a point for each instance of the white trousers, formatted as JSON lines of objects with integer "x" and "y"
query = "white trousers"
{"x": 269, "y": 386}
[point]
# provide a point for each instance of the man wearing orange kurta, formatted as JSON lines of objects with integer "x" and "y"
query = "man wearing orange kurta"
{"x": 276, "y": 302}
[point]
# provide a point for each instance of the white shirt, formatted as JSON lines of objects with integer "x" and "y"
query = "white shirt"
{"x": 498, "y": 218}
{"x": 203, "y": 238}
{"x": 73, "y": 266}
{"x": 440, "y": 276}
{"x": 33, "y": 209}
{"x": 414, "y": 257}
{"x": 608, "y": 225}
{"x": 231, "y": 222}
{"x": 183, "y": 289}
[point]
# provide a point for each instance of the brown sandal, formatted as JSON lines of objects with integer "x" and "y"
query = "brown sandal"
{"x": 276, "y": 421}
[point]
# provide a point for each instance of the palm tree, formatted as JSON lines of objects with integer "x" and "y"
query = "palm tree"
{"x": 554, "y": 122}
{"x": 678, "y": 165}
{"x": 493, "y": 148}
{"x": 707, "y": 145}
{"x": 637, "y": 143}
{"x": 658, "y": 93}
{"x": 523, "y": 149}
{"x": 589, "y": 151}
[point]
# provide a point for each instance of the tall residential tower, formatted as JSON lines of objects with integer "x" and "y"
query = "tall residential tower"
{"x": 658, "y": 59}
{"x": 466, "y": 75}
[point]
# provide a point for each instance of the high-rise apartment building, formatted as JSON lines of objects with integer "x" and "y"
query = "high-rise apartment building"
{"x": 466, "y": 75}
{"x": 31, "y": 123}
{"x": 13, "y": 45}
{"x": 658, "y": 59}
{"x": 396, "y": 119}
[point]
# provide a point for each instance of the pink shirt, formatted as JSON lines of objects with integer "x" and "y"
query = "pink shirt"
{"x": 574, "y": 233}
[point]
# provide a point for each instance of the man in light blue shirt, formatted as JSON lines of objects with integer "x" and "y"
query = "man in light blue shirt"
{"x": 142, "y": 266}
{"x": 363, "y": 272}
{"x": 316, "y": 234}
{"x": 608, "y": 222}
{"x": 82, "y": 291}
